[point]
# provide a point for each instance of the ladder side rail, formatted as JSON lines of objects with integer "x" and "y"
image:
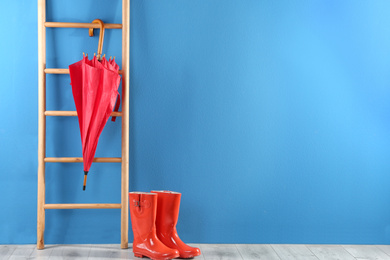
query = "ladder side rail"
{"x": 125, "y": 123}
{"x": 41, "y": 122}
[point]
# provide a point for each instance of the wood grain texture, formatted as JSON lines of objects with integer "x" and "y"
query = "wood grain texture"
{"x": 22, "y": 252}
{"x": 80, "y": 159}
{"x": 111, "y": 251}
{"x": 330, "y": 252}
{"x": 82, "y": 25}
{"x": 72, "y": 113}
{"x": 70, "y": 252}
{"x": 384, "y": 248}
{"x": 299, "y": 252}
{"x": 209, "y": 252}
{"x": 125, "y": 123}
{"x": 6, "y": 251}
{"x": 366, "y": 252}
{"x": 42, "y": 254}
{"x": 63, "y": 71}
{"x": 250, "y": 252}
{"x": 220, "y": 252}
{"x": 41, "y": 123}
{"x": 84, "y": 206}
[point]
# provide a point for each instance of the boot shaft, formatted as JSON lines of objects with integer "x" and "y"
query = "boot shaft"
{"x": 143, "y": 209}
{"x": 168, "y": 206}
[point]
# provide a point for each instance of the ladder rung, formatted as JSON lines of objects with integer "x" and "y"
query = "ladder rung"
{"x": 63, "y": 71}
{"x": 83, "y": 206}
{"x": 72, "y": 113}
{"x": 57, "y": 71}
{"x": 82, "y": 25}
{"x": 80, "y": 159}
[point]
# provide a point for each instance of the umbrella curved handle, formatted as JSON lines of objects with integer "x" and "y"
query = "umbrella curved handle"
{"x": 101, "y": 36}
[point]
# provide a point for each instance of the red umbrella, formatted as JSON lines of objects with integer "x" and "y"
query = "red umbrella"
{"x": 95, "y": 89}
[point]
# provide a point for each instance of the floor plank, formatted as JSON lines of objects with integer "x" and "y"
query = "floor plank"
{"x": 330, "y": 252}
{"x": 209, "y": 252}
{"x": 220, "y": 252}
{"x": 249, "y": 252}
{"x": 292, "y": 252}
{"x": 366, "y": 252}
{"x": 6, "y": 251}
{"x": 384, "y": 248}
{"x": 42, "y": 254}
{"x": 70, "y": 252}
{"x": 22, "y": 252}
{"x": 101, "y": 252}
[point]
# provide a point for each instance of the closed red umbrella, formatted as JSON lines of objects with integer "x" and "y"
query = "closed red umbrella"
{"x": 95, "y": 89}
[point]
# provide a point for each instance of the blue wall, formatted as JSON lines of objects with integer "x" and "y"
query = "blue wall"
{"x": 271, "y": 117}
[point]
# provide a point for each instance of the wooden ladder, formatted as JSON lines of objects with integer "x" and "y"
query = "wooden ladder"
{"x": 42, "y": 159}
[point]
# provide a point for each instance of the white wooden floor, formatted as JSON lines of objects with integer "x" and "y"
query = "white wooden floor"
{"x": 209, "y": 252}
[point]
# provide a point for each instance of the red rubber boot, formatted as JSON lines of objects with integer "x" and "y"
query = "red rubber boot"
{"x": 168, "y": 205}
{"x": 143, "y": 209}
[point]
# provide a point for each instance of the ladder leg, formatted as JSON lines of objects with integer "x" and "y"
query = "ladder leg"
{"x": 125, "y": 123}
{"x": 41, "y": 122}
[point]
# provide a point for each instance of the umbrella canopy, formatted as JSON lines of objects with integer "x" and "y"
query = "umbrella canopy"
{"x": 95, "y": 89}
